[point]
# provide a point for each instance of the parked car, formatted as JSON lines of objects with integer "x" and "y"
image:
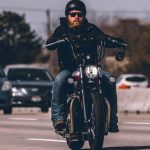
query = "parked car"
{"x": 5, "y": 93}
{"x": 126, "y": 81}
{"x": 31, "y": 86}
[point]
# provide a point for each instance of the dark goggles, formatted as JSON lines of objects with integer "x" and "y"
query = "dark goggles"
{"x": 74, "y": 14}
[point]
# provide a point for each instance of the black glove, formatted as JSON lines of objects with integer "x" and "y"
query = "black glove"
{"x": 119, "y": 40}
{"x": 112, "y": 42}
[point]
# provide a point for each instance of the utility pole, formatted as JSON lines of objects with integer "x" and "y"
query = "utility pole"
{"x": 48, "y": 25}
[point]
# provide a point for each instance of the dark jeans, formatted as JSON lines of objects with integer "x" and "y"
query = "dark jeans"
{"x": 109, "y": 87}
{"x": 59, "y": 94}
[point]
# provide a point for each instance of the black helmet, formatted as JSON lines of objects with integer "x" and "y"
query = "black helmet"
{"x": 75, "y": 5}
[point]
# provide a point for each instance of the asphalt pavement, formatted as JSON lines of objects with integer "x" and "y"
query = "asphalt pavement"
{"x": 29, "y": 129}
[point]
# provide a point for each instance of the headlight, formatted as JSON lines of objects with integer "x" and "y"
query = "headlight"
{"x": 91, "y": 72}
{"x": 6, "y": 86}
{"x": 19, "y": 91}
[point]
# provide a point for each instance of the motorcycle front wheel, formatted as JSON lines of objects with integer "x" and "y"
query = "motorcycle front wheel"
{"x": 75, "y": 144}
{"x": 96, "y": 127}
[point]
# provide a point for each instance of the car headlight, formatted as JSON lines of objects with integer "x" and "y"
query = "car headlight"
{"x": 19, "y": 91}
{"x": 91, "y": 72}
{"x": 6, "y": 86}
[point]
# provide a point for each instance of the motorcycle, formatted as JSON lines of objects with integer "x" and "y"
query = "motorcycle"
{"x": 88, "y": 108}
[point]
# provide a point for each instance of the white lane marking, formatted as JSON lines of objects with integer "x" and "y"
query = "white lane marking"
{"x": 23, "y": 119}
{"x": 46, "y": 140}
{"x": 138, "y": 123}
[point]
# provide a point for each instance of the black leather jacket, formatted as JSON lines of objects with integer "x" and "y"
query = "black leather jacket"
{"x": 84, "y": 40}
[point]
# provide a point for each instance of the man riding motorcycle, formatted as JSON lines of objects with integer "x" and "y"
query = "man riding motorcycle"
{"x": 85, "y": 37}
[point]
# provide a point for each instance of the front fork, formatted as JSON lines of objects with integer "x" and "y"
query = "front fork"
{"x": 107, "y": 115}
{"x": 73, "y": 101}
{"x": 80, "y": 100}
{"x": 83, "y": 95}
{"x": 106, "y": 103}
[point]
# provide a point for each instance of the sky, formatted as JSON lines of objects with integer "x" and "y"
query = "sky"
{"x": 35, "y": 10}
{"x": 92, "y": 4}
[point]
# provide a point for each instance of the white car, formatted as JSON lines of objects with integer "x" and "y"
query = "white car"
{"x": 126, "y": 81}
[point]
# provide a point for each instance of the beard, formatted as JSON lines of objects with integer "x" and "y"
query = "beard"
{"x": 75, "y": 24}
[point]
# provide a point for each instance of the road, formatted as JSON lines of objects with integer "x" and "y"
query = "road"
{"x": 28, "y": 129}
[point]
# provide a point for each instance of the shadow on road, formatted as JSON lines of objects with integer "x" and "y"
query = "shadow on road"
{"x": 126, "y": 148}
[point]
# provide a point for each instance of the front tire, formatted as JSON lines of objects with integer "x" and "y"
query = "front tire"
{"x": 75, "y": 144}
{"x": 96, "y": 129}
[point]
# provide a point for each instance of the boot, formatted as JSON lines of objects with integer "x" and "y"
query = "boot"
{"x": 113, "y": 120}
{"x": 59, "y": 125}
{"x": 113, "y": 115}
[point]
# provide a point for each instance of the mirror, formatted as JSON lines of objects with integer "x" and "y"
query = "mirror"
{"x": 120, "y": 56}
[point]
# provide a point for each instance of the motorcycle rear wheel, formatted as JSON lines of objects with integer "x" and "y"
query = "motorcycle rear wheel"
{"x": 96, "y": 129}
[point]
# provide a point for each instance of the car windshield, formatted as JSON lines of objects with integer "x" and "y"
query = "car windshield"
{"x": 135, "y": 79}
{"x": 28, "y": 75}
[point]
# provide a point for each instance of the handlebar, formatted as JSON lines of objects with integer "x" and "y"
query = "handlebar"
{"x": 120, "y": 44}
{"x": 114, "y": 42}
{"x": 61, "y": 41}
{"x": 56, "y": 43}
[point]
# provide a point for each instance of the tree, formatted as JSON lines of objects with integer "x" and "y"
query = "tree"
{"x": 18, "y": 44}
{"x": 137, "y": 35}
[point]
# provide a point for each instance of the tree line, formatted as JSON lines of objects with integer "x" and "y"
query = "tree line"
{"x": 137, "y": 35}
{"x": 18, "y": 43}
